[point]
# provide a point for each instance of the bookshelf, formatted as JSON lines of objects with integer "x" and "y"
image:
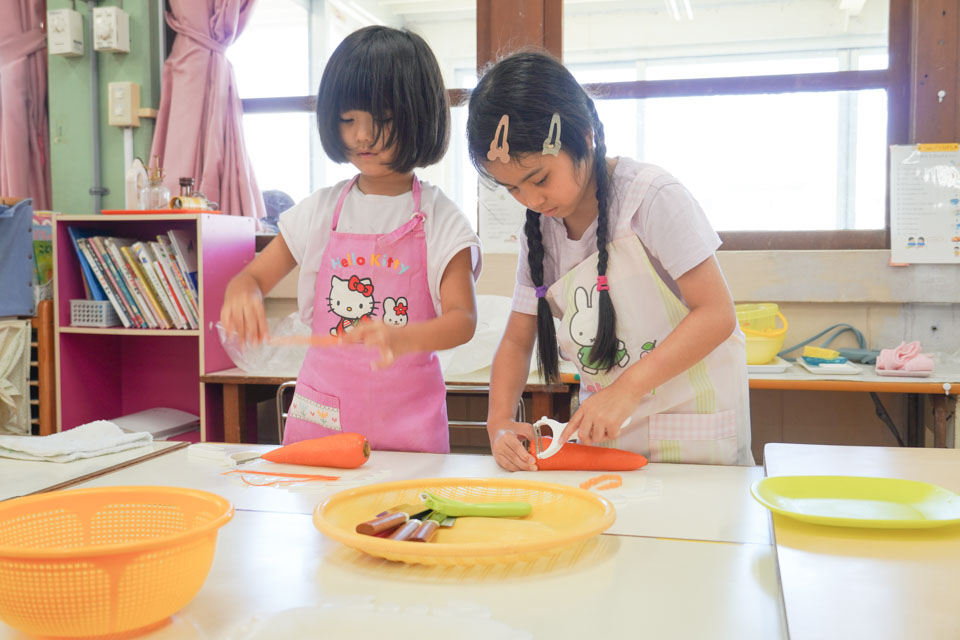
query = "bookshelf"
{"x": 103, "y": 373}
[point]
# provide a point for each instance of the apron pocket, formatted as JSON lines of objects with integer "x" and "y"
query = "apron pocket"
{"x": 697, "y": 438}
{"x": 317, "y": 408}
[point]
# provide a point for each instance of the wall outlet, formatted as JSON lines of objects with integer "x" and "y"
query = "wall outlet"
{"x": 111, "y": 29}
{"x": 64, "y": 33}
{"x": 124, "y": 104}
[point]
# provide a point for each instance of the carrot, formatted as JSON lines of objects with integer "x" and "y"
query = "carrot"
{"x": 341, "y": 450}
{"x": 581, "y": 457}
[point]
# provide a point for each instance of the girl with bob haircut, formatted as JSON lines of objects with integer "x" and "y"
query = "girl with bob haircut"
{"x": 620, "y": 253}
{"x": 387, "y": 262}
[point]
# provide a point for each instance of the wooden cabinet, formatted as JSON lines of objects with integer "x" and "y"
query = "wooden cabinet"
{"x": 103, "y": 373}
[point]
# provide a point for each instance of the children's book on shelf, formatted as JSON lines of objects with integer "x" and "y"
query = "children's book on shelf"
{"x": 173, "y": 284}
{"x": 113, "y": 274}
{"x": 85, "y": 249}
{"x": 181, "y": 277}
{"x": 146, "y": 287}
{"x": 143, "y": 280}
{"x": 91, "y": 285}
{"x": 129, "y": 280}
{"x": 151, "y": 268}
{"x": 185, "y": 249}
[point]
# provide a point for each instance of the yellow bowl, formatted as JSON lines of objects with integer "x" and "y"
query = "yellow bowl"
{"x": 761, "y": 350}
{"x": 111, "y": 560}
{"x": 561, "y": 517}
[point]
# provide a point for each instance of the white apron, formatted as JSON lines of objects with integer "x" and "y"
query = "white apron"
{"x": 700, "y": 416}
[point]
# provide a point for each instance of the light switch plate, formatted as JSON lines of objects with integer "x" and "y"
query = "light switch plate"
{"x": 111, "y": 29}
{"x": 123, "y": 104}
{"x": 64, "y": 33}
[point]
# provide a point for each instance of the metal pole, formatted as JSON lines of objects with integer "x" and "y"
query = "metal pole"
{"x": 97, "y": 190}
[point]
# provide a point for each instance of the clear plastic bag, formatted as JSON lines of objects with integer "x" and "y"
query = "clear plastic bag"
{"x": 267, "y": 358}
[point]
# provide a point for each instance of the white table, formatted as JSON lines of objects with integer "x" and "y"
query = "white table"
{"x": 845, "y": 582}
{"x": 690, "y": 558}
{"x": 23, "y": 477}
{"x": 691, "y": 502}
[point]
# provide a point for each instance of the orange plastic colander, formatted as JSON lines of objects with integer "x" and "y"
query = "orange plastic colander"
{"x": 105, "y": 561}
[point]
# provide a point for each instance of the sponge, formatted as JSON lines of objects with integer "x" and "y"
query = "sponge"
{"x": 818, "y": 352}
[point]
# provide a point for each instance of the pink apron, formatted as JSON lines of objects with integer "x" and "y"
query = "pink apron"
{"x": 700, "y": 416}
{"x": 364, "y": 276}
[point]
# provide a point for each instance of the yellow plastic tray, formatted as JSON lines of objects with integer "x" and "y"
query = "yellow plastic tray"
{"x": 847, "y": 501}
{"x": 561, "y": 516}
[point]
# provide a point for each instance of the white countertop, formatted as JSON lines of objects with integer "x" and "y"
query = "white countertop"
{"x": 694, "y": 502}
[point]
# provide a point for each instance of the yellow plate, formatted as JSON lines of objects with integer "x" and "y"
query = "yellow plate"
{"x": 561, "y": 516}
{"x": 848, "y": 501}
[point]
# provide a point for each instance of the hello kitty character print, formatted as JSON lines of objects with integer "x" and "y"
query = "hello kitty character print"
{"x": 395, "y": 311}
{"x": 351, "y": 300}
{"x": 400, "y": 407}
{"x": 583, "y": 330}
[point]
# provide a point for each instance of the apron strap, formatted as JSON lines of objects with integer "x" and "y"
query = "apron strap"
{"x": 343, "y": 197}
{"x": 346, "y": 190}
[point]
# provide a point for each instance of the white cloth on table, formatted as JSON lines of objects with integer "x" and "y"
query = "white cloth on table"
{"x": 96, "y": 438}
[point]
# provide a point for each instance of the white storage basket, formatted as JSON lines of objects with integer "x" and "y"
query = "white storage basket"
{"x": 93, "y": 313}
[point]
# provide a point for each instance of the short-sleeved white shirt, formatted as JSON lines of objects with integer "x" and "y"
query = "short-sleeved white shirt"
{"x": 668, "y": 221}
{"x": 305, "y": 228}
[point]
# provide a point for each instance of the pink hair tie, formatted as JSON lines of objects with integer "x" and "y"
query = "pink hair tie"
{"x": 602, "y": 283}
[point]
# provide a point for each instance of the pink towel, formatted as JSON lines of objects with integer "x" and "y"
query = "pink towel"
{"x": 906, "y": 357}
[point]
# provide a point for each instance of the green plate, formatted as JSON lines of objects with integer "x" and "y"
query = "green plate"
{"x": 849, "y": 501}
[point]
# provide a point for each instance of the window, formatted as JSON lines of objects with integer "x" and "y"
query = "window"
{"x": 757, "y": 158}
{"x": 278, "y": 61}
{"x": 801, "y": 91}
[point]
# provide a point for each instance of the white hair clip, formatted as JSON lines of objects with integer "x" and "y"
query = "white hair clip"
{"x": 499, "y": 148}
{"x": 551, "y": 144}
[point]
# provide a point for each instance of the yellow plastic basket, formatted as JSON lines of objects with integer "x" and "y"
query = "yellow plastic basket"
{"x": 561, "y": 517}
{"x": 104, "y": 561}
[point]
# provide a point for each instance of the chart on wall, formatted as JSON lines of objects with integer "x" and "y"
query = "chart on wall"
{"x": 925, "y": 203}
{"x": 501, "y": 219}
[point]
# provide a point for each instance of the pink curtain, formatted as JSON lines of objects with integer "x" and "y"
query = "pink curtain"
{"x": 199, "y": 128}
{"x": 24, "y": 134}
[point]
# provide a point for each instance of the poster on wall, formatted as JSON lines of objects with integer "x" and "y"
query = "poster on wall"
{"x": 925, "y": 203}
{"x": 501, "y": 219}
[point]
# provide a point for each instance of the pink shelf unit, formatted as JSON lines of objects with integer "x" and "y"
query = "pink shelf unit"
{"x": 106, "y": 373}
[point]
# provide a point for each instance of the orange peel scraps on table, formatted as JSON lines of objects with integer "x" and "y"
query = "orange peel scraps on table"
{"x": 609, "y": 480}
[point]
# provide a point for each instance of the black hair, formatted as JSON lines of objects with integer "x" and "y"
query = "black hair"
{"x": 530, "y": 87}
{"x": 393, "y": 75}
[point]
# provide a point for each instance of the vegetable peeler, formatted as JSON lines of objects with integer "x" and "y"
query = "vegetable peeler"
{"x": 555, "y": 443}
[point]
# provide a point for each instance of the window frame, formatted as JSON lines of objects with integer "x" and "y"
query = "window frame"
{"x": 910, "y": 69}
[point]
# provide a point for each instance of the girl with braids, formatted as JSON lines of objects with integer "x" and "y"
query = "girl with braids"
{"x": 623, "y": 256}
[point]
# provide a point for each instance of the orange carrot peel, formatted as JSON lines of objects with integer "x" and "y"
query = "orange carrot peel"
{"x": 291, "y": 477}
{"x": 609, "y": 480}
{"x": 582, "y": 457}
{"x": 341, "y": 450}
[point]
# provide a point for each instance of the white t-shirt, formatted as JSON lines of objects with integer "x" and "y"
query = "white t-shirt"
{"x": 306, "y": 229}
{"x": 667, "y": 219}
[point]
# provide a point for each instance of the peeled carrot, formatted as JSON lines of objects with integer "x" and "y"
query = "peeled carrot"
{"x": 341, "y": 450}
{"x": 582, "y": 457}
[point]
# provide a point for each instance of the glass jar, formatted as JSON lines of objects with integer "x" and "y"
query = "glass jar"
{"x": 155, "y": 195}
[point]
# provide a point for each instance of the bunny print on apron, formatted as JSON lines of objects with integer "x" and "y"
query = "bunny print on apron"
{"x": 701, "y": 416}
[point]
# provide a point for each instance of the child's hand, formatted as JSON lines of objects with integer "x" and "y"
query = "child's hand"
{"x": 388, "y": 339}
{"x": 508, "y": 448}
{"x": 601, "y": 416}
{"x": 242, "y": 313}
